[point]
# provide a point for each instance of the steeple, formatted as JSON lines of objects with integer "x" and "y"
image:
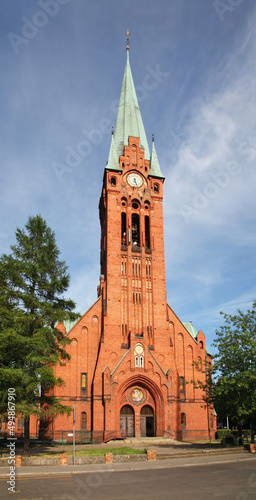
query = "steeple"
{"x": 129, "y": 121}
{"x": 129, "y": 124}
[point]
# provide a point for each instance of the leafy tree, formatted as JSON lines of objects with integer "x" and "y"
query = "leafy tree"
{"x": 205, "y": 384}
{"x": 235, "y": 364}
{"x": 32, "y": 282}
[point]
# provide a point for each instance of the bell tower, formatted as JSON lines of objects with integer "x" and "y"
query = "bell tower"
{"x": 132, "y": 240}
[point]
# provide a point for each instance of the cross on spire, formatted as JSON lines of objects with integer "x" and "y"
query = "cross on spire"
{"x": 127, "y": 39}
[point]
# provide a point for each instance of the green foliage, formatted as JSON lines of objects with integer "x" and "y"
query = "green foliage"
{"x": 33, "y": 281}
{"x": 205, "y": 384}
{"x": 235, "y": 366}
{"x": 221, "y": 433}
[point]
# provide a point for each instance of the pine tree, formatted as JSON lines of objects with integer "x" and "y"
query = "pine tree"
{"x": 33, "y": 281}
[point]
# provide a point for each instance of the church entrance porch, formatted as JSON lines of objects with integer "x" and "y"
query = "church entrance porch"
{"x": 141, "y": 408}
{"x": 147, "y": 422}
{"x": 127, "y": 421}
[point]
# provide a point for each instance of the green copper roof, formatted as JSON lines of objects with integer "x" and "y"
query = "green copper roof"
{"x": 155, "y": 169}
{"x": 191, "y": 329}
{"x": 129, "y": 121}
{"x": 68, "y": 324}
{"x": 113, "y": 163}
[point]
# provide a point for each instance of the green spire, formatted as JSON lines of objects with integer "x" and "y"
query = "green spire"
{"x": 155, "y": 169}
{"x": 129, "y": 121}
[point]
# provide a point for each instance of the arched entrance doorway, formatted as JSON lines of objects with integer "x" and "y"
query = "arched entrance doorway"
{"x": 147, "y": 421}
{"x": 127, "y": 421}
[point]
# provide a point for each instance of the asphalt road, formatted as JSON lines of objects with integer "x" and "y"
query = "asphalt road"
{"x": 227, "y": 481}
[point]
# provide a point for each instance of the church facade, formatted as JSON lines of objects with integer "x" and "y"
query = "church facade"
{"x": 132, "y": 359}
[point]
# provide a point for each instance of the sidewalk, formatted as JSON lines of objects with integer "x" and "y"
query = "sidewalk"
{"x": 168, "y": 454}
{"x": 106, "y": 469}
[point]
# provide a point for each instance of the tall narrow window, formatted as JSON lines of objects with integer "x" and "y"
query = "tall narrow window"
{"x": 147, "y": 232}
{"x": 182, "y": 385}
{"x": 135, "y": 230}
{"x": 183, "y": 420}
{"x": 136, "y": 361}
{"x": 83, "y": 382}
{"x": 149, "y": 269}
{"x": 123, "y": 229}
{"x": 141, "y": 361}
{"x": 83, "y": 420}
{"x": 21, "y": 423}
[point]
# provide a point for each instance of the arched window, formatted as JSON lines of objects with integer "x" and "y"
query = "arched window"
{"x": 183, "y": 420}
{"x": 123, "y": 229}
{"x": 199, "y": 363}
{"x": 83, "y": 420}
{"x": 182, "y": 385}
{"x": 136, "y": 361}
{"x": 83, "y": 382}
{"x": 156, "y": 187}
{"x": 201, "y": 344}
{"x": 136, "y": 230}
{"x": 141, "y": 362}
{"x": 147, "y": 232}
{"x": 113, "y": 181}
{"x": 211, "y": 422}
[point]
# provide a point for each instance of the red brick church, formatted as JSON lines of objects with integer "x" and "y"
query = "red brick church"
{"x": 132, "y": 359}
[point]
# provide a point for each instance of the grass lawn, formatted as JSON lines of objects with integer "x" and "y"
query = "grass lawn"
{"x": 96, "y": 452}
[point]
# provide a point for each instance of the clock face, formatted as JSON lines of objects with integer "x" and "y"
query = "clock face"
{"x": 134, "y": 180}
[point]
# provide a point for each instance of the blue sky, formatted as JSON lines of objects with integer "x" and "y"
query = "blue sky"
{"x": 193, "y": 65}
